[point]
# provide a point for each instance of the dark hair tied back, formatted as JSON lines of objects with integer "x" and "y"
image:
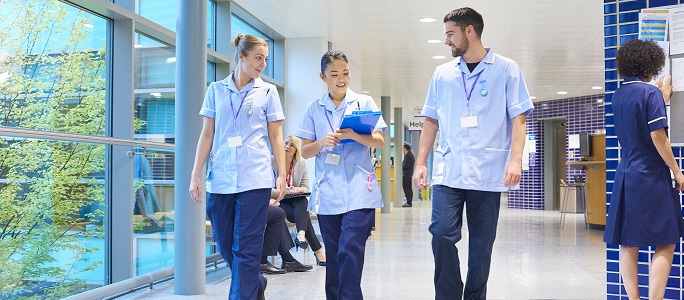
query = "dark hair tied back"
{"x": 329, "y": 56}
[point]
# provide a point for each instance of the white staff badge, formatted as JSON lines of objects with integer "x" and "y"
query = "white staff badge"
{"x": 234, "y": 141}
{"x": 469, "y": 122}
{"x": 332, "y": 159}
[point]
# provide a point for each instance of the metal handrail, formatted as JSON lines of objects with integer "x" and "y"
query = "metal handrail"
{"x": 133, "y": 284}
{"x": 72, "y": 137}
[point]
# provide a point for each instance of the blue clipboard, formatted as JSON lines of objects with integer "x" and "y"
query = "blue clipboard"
{"x": 361, "y": 121}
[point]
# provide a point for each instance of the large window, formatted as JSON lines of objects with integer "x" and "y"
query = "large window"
{"x": 52, "y": 67}
{"x": 164, "y": 13}
{"x": 53, "y": 77}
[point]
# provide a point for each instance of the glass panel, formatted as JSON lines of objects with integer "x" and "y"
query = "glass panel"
{"x": 238, "y": 26}
{"x": 51, "y": 218}
{"x": 164, "y": 13}
{"x": 153, "y": 210}
{"x": 52, "y": 67}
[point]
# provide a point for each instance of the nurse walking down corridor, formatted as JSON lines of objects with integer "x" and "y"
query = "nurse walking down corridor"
{"x": 479, "y": 103}
{"x": 238, "y": 113}
{"x": 345, "y": 191}
{"x": 644, "y": 207}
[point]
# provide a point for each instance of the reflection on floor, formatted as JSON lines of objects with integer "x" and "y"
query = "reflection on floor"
{"x": 533, "y": 259}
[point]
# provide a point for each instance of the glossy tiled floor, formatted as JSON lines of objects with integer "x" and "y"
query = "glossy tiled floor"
{"x": 533, "y": 259}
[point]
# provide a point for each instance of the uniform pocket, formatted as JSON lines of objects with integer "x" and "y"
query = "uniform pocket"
{"x": 494, "y": 165}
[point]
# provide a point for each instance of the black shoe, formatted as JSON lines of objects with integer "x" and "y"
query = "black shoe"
{"x": 318, "y": 262}
{"x": 269, "y": 268}
{"x": 300, "y": 244}
{"x": 261, "y": 292}
{"x": 406, "y": 205}
{"x": 295, "y": 266}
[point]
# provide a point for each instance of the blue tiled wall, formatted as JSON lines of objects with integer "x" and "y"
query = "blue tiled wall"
{"x": 582, "y": 114}
{"x": 624, "y": 15}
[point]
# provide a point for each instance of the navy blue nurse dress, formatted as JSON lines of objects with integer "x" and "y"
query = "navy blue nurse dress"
{"x": 644, "y": 207}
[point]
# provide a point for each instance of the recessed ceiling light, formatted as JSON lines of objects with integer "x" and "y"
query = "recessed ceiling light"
{"x": 365, "y": 92}
{"x": 137, "y": 46}
{"x": 171, "y": 59}
{"x": 434, "y": 41}
{"x": 596, "y": 87}
{"x": 562, "y": 93}
{"x": 533, "y": 97}
{"x": 439, "y": 57}
{"x": 427, "y": 20}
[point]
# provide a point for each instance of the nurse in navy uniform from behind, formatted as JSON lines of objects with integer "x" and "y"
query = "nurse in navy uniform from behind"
{"x": 644, "y": 207}
{"x": 238, "y": 113}
{"x": 345, "y": 191}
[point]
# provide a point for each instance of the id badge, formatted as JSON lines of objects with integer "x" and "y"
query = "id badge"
{"x": 332, "y": 159}
{"x": 234, "y": 141}
{"x": 469, "y": 122}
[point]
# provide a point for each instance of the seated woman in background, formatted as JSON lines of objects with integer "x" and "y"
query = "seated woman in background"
{"x": 277, "y": 240}
{"x": 296, "y": 207}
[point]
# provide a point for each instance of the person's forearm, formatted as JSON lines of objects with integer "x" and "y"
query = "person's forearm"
{"x": 427, "y": 139}
{"x": 311, "y": 148}
{"x": 202, "y": 152}
{"x": 373, "y": 140}
{"x": 518, "y": 138}
{"x": 662, "y": 144}
{"x": 275, "y": 137}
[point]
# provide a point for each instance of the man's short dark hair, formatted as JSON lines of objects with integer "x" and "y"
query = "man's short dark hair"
{"x": 465, "y": 16}
{"x": 407, "y": 147}
{"x": 639, "y": 58}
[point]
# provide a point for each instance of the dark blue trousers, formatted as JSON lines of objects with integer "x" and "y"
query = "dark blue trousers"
{"x": 238, "y": 222}
{"x": 482, "y": 211}
{"x": 345, "y": 237}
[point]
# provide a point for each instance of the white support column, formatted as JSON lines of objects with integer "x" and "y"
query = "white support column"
{"x": 191, "y": 64}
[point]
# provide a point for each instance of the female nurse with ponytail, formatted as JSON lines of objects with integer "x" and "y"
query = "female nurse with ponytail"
{"x": 239, "y": 112}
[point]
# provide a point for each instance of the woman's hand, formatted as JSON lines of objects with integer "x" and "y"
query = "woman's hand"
{"x": 330, "y": 140}
{"x": 280, "y": 187}
{"x": 346, "y": 133}
{"x": 665, "y": 87}
{"x": 195, "y": 189}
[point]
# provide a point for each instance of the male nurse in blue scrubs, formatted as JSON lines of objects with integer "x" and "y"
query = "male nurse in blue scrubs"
{"x": 479, "y": 103}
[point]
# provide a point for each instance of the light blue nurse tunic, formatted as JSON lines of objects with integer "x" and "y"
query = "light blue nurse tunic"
{"x": 344, "y": 187}
{"x": 242, "y": 114}
{"x": 475, "y": 158}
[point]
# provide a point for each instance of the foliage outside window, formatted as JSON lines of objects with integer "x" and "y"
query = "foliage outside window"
{"x": 52, "y": 78}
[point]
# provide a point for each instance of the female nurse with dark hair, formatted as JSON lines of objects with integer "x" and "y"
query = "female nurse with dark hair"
{"x": 345, "y": 191}
{"x": 644, "y": 207}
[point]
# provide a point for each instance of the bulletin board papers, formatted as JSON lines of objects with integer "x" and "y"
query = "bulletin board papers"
{"x": 676, "y": 30}
{"x": 653, "y": 24}
{"x": 665, "y": 71}
{"x": 678, "y": 74}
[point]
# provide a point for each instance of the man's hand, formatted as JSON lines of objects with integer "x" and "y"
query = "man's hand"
{"x": 420, "y": 176}
{"x": 512, "y": 174}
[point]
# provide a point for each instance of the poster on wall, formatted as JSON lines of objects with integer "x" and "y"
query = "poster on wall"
{"x": 653, "y": 24}
{"x": 530, "y": 148}
{"x": 665, "y": 71}
{"x": 676, "y": 28}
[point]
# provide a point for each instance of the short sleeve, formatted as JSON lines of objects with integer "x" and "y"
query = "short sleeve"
{"x": 430, "y": 106}
{"x": 655, "y": 111}
{"x": 381, "y": 125}
{"x": 209, "y": 104}
{"x": 307, "y": 128}
{"x": 274, "y": 110}
{"x": 517, "y": 97}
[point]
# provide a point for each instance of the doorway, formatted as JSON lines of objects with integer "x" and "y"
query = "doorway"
{"x": 554, "y": 160}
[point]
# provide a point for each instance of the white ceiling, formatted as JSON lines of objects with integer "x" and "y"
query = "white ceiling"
{"x": 557, "y": 43}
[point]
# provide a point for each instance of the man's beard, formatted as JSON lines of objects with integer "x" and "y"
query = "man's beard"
{"x": 461, "y": 49}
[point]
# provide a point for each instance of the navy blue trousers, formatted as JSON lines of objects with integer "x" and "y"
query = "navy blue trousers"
{"x": 344, "y": 238}
{"x": 238, "y": 222}
{"x": 482, "y": 211}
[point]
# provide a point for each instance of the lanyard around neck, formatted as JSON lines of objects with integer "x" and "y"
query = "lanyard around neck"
{"x": 472, "y": 87}
{"x": 331, "y": 114}
{"x": 236, "y": 114}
